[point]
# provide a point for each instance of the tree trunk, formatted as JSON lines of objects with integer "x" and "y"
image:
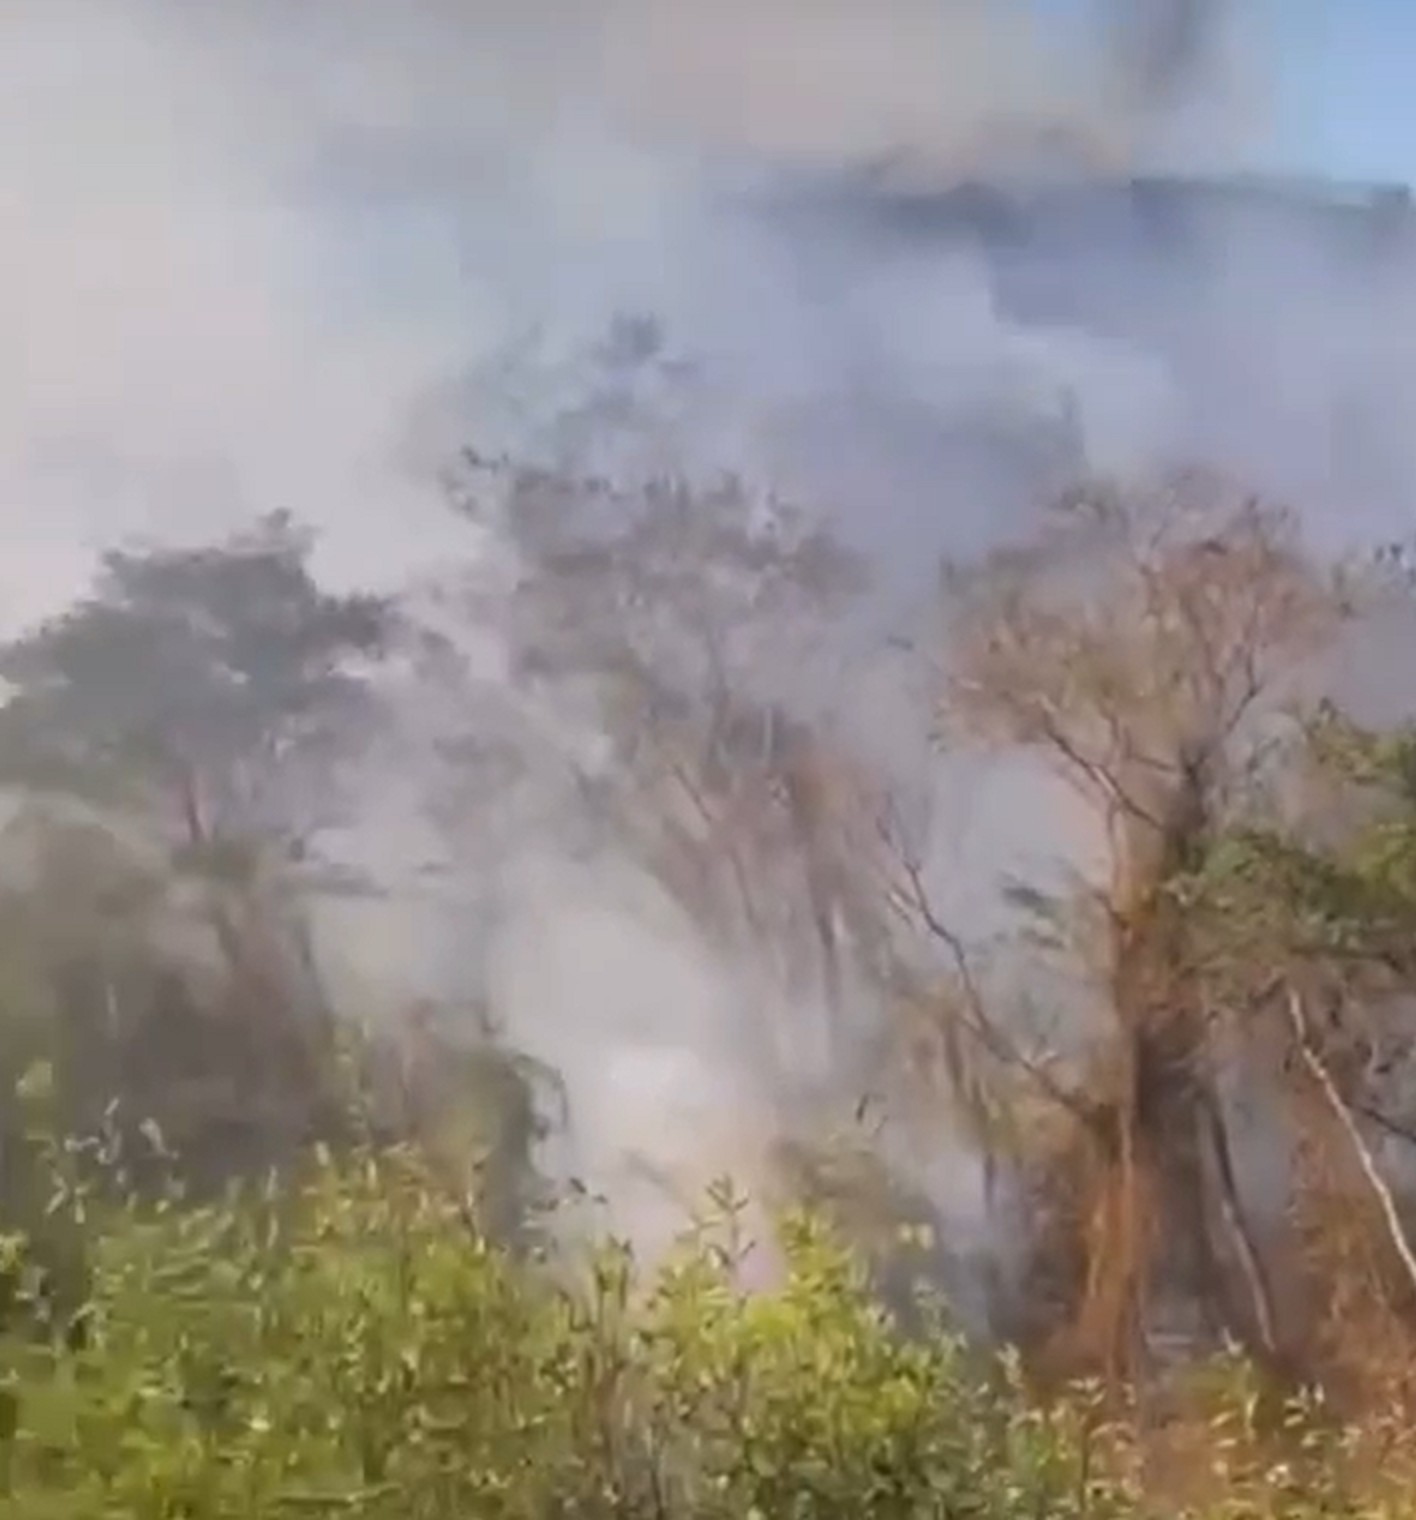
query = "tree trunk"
{"x": 1379, "y": 1193}
{"x": 1262, "y": 1314}
{"x": 1108, "y": 1328}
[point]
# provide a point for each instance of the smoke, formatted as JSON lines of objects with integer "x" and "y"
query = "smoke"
{"x": 835, "y": 80}
{"x": 1164, "y": 48}
{"x": 242, "y": 241}
{"x": 943, "y": 87}
{"x": 247, "y": 246}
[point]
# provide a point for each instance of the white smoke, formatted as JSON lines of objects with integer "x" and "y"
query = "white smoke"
{"x": 245, "y": 242}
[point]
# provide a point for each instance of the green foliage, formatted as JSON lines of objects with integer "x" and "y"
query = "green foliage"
{"x": 350, "y": 1345}
{"x": 386, "y": 1333}
{"x": 174, "y": 739}
{"x": 183, "y": 661}
{"x": 1346, "y": 897}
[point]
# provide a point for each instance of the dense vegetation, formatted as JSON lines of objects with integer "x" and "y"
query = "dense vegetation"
{"x": 255, "y": 1262}
{"x": 352, "y": 1346}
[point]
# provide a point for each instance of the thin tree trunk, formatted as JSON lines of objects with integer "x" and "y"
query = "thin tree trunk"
{"x": 1246, "y": 1252}
{"x": 228, "y": 935}
{"x": 1347, "y": 1122}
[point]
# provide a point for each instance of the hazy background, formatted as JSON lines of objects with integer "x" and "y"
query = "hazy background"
{"x": 242, "y": 240}
{"x": 252, "y": 252}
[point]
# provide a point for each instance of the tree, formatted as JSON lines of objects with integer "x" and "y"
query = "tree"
{"x": 199, "y": 686}
{"x": 197, "y": 703}
{"x": 677, "y": 645}
{"x": 1307, "y": 905}
{"x": 1142, "y": 647}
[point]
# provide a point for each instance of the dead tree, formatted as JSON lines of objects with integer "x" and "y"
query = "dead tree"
{"x": 1139, "y": 647}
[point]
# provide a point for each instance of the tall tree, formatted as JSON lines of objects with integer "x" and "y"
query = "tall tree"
{"x": 1141, "y": 647}
{"x": 689, "y": 635}
{"x": 207, "y": 688}
{"x": 198, "y": 702}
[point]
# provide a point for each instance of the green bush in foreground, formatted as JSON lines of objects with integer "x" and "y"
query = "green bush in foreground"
{"x": 350, "y": 1347}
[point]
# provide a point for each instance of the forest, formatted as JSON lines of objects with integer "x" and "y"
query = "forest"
{"x": 262, "y": 1256}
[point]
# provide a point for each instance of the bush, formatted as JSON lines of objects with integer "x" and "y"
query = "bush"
{"x": 349, "y": 1345}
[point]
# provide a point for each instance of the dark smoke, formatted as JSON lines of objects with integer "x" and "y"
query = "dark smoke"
{"x": 1165, "y": 49}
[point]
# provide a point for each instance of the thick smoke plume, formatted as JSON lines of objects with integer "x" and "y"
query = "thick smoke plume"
{"x": 242, "y": 240}
{"x": 952, "y": 87}
{"x": 253, "y": 250}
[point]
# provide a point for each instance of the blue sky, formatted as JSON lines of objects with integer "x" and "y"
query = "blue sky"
{"x": 1341, "y": 76}
{"x": 1340, "y": 82}
{"x": 1345, "y": 86}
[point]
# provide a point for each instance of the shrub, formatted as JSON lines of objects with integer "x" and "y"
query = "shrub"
{"x": 350, "y": 1345}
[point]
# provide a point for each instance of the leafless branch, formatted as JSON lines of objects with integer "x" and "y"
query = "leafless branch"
{"x": 912, "y": 899}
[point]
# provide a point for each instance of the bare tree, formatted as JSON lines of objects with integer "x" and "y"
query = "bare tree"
{"x": 1141, "y": 646}
{"x": 679, "y": 644}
